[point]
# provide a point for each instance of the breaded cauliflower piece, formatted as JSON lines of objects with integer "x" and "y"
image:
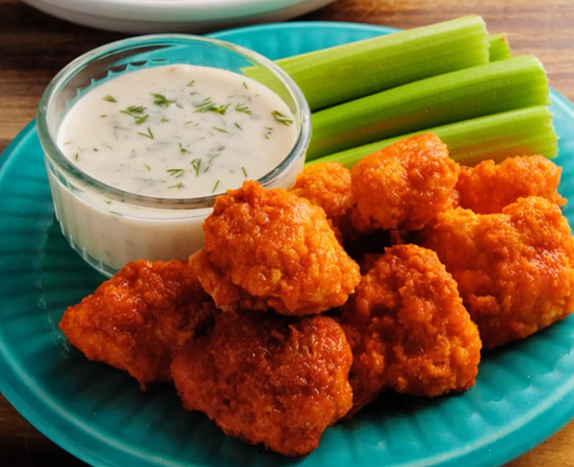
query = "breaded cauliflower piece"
{"x": 268, "y": 379}
{"x": 328, "y": 185}
{"x": 514, "y": 269}
{"x": 409, "y": 330}
{"x": 137, "y": 318}
{"x": 403, "y": 186}
{"x": 489, "y": 187}
{"x": 271, "y": 249}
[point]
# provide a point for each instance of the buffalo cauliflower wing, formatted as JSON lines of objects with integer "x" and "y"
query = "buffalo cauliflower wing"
{"x": 271, "y": 249}
{"x": 135, "y": 320}
{"x": 328, "y": 185}
{"x": 268, "y": 379}
{"x": 408, "y": 329}
{"x": 489, "y": 187}
{"x": 514, "y": 269}
{"x": 403, "y": 186}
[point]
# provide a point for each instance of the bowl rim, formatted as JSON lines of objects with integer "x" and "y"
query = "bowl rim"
{"x": 204, "y": 6}
{"x": 55, "y": 156}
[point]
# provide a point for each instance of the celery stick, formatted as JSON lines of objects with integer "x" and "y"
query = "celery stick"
{"x": 461, "y": 95}
{"x": 339, "y": 74}
{"x": 518, "y": 132}
{"x": 499, "y": 48}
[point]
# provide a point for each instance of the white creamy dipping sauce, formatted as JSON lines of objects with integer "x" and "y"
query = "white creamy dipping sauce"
{"x": 177, "y": 131}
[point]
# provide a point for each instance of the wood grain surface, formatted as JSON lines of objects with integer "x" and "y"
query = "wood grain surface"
{"x": 33, "y": 47}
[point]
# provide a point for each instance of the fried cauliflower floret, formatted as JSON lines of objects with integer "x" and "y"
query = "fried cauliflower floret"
{"x": 489, "y": 187}
{"x": 271, "y": 249}
{"x": 137, "y": 318}
{"x": 409, "y": 330}
{"x": 514, "y": 269}
{"x": 403, "y": 186}
{"x": 268, "y": 379}
{"x": 328, "y": 185}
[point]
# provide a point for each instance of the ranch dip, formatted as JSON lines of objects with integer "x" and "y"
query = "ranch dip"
{"x": 177, "y": 131}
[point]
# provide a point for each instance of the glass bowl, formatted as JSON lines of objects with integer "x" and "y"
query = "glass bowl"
{"x": 164, "y": 228}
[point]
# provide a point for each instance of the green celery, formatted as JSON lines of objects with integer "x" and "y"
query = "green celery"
{"x": 519, "y": 132}
{"x": 499, "y": 48}
{"x": 339, "y": 74}
{"x": 461, "y": 95}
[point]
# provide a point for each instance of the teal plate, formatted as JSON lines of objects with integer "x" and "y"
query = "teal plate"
{"x": 524, "y": 392}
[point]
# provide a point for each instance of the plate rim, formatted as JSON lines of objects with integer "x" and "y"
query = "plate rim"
{"x": 210, "y": 10}
{"x": 303, "y": 25}
{"x": 95, "y": 450}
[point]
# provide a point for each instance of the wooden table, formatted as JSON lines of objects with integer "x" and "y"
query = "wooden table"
{"x": 33, "y": 47}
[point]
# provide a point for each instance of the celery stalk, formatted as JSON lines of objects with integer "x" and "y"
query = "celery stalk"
{"x": 499, "y": 48}
{"x": 461, "y": 95}
{"x": 339, "y": 74}
{"x": 518, "y": 132}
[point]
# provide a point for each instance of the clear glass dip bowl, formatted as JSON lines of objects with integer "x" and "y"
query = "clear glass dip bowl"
{"x": 164, "y": 228}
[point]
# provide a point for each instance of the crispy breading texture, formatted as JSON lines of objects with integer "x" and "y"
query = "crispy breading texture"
{"x": 514, "y": 269}
{"x": 329, "y": 186}
{"x": 268, "y": 379}
{"x": 137, "y": 318}
{"x": 409, "y": 330}
{"x": 403, "y": 186}
{"x": 489, "y": 187}
{"x": 271, "y": 249}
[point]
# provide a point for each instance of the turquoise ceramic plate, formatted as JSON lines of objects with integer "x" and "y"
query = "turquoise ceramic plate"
{"x": 524, "y": 392}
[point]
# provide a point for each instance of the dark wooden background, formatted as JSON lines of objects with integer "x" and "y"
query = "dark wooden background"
{"x": 33, "y": 47}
